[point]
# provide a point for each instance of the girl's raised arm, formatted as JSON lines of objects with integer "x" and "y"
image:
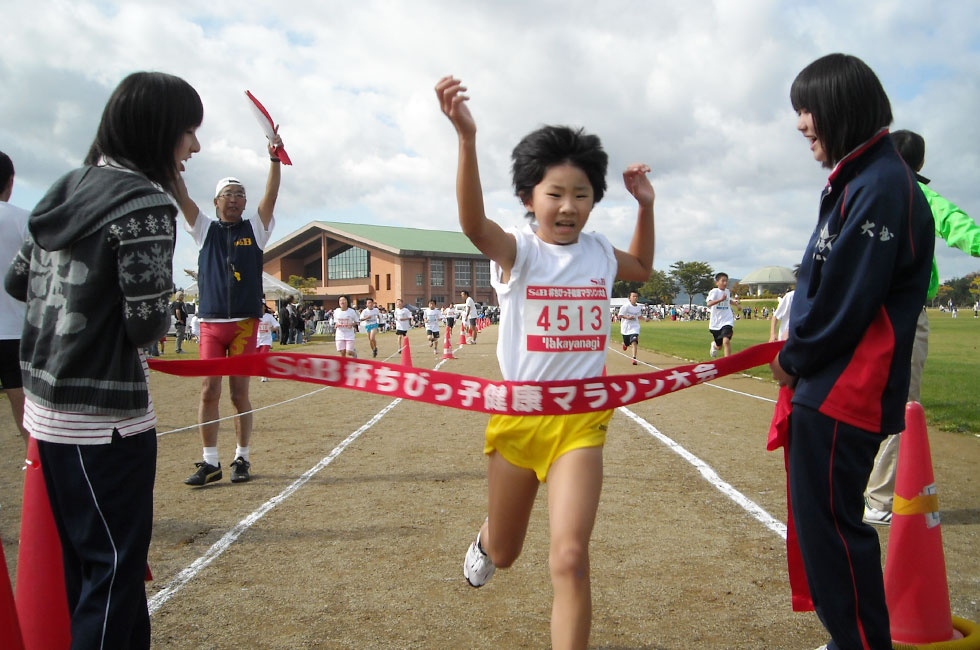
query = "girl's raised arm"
{"x": 486, "y": 235}
{"x": 636, "y": 265}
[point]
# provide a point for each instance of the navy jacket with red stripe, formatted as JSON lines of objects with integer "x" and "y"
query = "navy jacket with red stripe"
{"x": 862, "y": 284}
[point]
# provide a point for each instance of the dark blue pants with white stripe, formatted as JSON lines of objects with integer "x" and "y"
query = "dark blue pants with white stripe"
{"x": 102, "y": 500}
{"x": 829, "y": 465}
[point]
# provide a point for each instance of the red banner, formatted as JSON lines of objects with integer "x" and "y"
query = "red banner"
{"x": 474, "y": 393}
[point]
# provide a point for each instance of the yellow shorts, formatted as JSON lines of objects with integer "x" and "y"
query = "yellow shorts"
{"x": 535, "y": 441}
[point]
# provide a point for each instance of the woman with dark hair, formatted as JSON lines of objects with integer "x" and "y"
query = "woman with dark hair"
{"x": 861, "y": 284}
{"x": 96, "y": 276}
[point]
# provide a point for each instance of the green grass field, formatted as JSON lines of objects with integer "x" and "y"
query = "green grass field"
{"x": 950, "y": 383}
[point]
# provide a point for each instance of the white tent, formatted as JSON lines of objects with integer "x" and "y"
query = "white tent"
{"x": 272, "y": 288}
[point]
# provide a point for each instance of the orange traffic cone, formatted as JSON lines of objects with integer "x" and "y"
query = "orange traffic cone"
{"x": 9, "y": 628}
{"x": 462, "y": 335}
{"x": 42, "y": 603}
{"x": 447, "y": 349}
{"x": 406, "y": 352}
{"x": 915, "y": 569}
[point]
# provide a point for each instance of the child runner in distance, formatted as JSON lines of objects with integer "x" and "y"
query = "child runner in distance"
{"x": 449, "y": 313}
{"x": 559, "y": 175}
{"x": 629, "y": 323}
{"x": 722, "y": 323}
{"x": 345, "y": 321}
{"x": 369, "y": 316}
{"x": 432, "y": 317}
{"x": 403, "y": 322}
{"x": 267, "y": 325}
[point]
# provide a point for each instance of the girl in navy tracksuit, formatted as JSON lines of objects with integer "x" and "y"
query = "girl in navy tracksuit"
{"x": 862, "y": 283}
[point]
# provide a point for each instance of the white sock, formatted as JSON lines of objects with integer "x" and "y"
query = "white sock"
{"x": 241, "y": 451}
{"x": 211, "y": 456}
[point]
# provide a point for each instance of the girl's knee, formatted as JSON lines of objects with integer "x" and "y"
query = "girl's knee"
{"x": 569, "y": 560}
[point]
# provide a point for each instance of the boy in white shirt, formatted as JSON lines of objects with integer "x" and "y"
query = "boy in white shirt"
{"x": 722, "y": 323}
{"x": 781, "y": 314}
{"x": 629, "y": 323}
{"x": 403, "y": 321}
{"x": 432, "y": 317}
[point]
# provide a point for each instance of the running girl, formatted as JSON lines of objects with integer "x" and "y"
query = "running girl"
{"x": 369, "y": 316}
{"x": 345, "y": 327}
{"x": 559, "y": 175}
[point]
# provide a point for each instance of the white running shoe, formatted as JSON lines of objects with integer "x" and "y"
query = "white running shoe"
{"x": 477, "y": 567}
{"x": 713, "y": 350}
{"x": 875, "y": 516}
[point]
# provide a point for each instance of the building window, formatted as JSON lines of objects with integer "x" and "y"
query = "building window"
{"x": 419, "y": 280}
{"x": 388, "y": 281}
{"x": 420, "y": 302}
{"x": 438, "y": 269}
{"x": 483, "y": 273}
{"x": 347, "y": 263}
{"x": 377, "y": 281}
{"x": 463, "y": 272}
{"x": 439, "y": 300}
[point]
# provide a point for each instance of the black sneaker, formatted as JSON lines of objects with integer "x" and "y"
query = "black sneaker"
{"x": 206, "y": 473}
{"x": 239, "y": 470}
{"x": 374, "y": 352}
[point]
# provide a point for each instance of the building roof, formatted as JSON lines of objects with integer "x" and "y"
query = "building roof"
{"x": 395, "y": 239}
{"x": 770, "y": 275}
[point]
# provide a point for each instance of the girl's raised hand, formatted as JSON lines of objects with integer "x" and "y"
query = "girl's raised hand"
{"x": 452, "y": 101}
{"x": 637, "y": 183}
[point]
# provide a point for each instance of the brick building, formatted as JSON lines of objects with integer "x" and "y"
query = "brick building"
{"x": 381, "y": 262}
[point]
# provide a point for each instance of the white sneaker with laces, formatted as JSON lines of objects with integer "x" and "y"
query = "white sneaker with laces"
{"x": 876, "y": 517}
{"x": 713, "y": 350}
{"x": 477, "y": 567}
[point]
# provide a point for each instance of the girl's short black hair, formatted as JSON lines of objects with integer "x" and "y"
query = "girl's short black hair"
{"x": 555, "y": 145}
{"x": 846, "y": 101}
{"x": 142, "y": 124}
{"x": 911, "y": 147}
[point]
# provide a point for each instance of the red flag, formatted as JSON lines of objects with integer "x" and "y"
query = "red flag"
{"x": 268, "y": 125}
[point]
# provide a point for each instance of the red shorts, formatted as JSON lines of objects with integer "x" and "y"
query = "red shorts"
{"x": 220, "y": 340}
{"x": 262, "y": 349}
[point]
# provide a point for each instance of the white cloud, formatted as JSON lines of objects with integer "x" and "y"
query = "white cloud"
{"x": 697, "y": 90}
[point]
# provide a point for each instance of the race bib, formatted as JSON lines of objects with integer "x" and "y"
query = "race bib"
{"x": 566, "y": 319}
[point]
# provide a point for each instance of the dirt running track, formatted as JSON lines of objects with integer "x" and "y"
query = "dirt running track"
{"x": 368, "y": 552}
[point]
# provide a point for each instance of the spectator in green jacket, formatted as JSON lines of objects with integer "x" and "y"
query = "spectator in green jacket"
{"x": 959, "y": 231}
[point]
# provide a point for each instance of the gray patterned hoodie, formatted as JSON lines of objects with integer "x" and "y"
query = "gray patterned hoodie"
{"x": 96, "y": 275}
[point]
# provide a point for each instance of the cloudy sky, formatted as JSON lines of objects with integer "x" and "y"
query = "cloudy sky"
{"x": 698, "y": 90}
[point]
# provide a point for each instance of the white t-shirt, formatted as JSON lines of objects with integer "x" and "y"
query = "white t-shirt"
{"x": 432, "y": 318}
{"x": 267, "y": 323}
{"x": 629, "y": 326}
{"x": 782, "y": 314}
{"x": 372, "y": 316}
{"x": 554, "y": 308}
{"x": 721, "y": 314}
{"x": 13, "y": 232}
{"x": 403, "y": 319}
{"x": 470, "y": 308}
{"x": 199, "y": 232}
{"x": 344, "y": 324}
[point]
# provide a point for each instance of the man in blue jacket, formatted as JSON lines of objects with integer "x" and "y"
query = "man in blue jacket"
{"x": 230, "y": 281}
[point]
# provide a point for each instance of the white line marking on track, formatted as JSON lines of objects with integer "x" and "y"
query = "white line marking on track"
{"x": 229, "y": 538}
{"x": 219, "y": 547}
{"x": 711, "y": 476}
